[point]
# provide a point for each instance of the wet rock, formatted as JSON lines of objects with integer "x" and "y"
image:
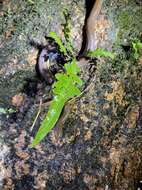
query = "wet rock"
{"x": 100, "y": 145}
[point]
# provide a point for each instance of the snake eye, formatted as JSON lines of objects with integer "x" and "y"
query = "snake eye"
{"x": 46, "y": 57}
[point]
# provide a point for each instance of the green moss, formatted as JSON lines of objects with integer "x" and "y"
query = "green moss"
{"x": 23, "y": 19}
{"x": 130, "y": 24}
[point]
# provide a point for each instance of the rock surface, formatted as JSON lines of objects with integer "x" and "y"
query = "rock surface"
{"x": 100, "y": 146}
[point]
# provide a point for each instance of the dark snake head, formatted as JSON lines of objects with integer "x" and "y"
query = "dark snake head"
{"x": 49, "y": 63}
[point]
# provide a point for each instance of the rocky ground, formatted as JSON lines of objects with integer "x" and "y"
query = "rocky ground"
{"x": 100, "y": 145}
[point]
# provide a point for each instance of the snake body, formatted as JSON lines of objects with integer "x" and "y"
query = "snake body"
{"x": 90, "y": 45}
{"x": 50, "y": 58}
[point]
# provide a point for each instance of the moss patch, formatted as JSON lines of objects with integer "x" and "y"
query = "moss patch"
{"x": 130, "y": 24}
